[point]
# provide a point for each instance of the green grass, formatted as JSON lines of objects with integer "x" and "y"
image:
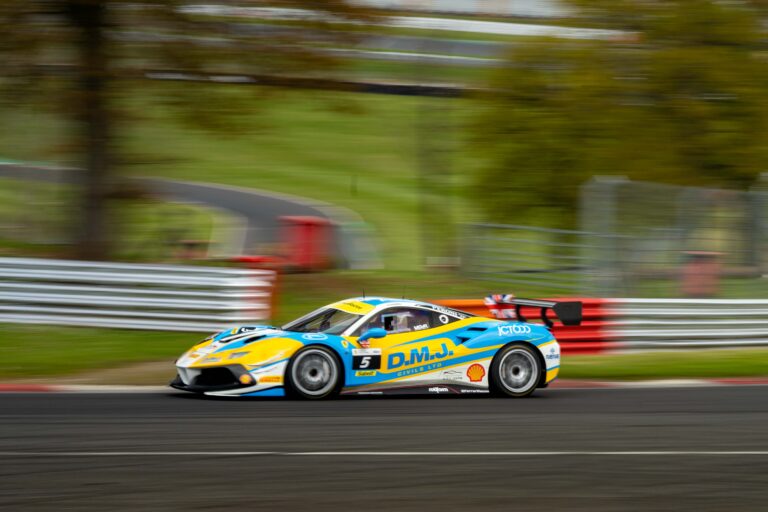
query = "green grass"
{"x": 352, "y": 150}
{"x": 729, "y": 288}
{"x": 37, "y": 351}
{"x": 360, "y": 151}
{"x": 35, "y": 220}
{"x": 413, "y": 72}
{"x": 691, "y": 363}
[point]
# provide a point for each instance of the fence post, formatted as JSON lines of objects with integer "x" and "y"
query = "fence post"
{"x": 598, "y": 217}
{"x": 759, "y": 202}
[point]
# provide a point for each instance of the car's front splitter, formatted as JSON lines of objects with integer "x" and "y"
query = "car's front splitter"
{"x": 233, "y": 384}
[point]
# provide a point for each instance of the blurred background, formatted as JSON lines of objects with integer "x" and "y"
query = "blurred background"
{"x": 434, "y": 149}
{"x": 171, "y": 168}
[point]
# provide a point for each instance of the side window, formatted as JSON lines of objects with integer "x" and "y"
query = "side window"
{"x": 400, "y": 320}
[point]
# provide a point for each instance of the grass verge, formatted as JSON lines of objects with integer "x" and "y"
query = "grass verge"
{"x": 35, "y": 220}
{"x": 29, "y": 351}
{"x": 692, "y": 363}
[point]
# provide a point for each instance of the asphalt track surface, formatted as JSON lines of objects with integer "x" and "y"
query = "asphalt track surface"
{"x": 622, "y": 449}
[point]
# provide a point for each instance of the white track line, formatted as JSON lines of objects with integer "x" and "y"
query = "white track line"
{"x": 655, "y": 453}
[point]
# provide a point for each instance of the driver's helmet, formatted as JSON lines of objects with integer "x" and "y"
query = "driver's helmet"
{"x": 406, "y": 321}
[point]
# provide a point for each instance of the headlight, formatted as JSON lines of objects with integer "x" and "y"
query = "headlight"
{"x": 238, "y": 354}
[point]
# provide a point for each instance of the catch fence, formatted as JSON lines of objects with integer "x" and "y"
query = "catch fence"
{"x": 531, "y": 257}
{"x": 132, "y": 296}
{"x": 635, "y": 239}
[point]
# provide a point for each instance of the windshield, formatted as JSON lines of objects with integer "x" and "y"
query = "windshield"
{"x": 328, "y": 321}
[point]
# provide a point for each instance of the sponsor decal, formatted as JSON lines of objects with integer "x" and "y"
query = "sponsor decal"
{"x": 474, "y": 391}
{"x": 273, "y": 379}
{"x": 446, "y": 311}
{"x": 353, "y": 306}
{"x": 314, "y": 336}
{"x": 366, "y": 373}
{"x": 417, "y": 356}
{"x": 507, "y": 330}
{"x": 419, "y": 369}
{"x": 453, "y": 375}
{"x": 444, "y": 319}
{"x": 245, "y": 334}
{"x": 344, "y": 343}
{"x": 421, "y": 327}
{"x": 476, "y": 372}
{"x": 366, "y": 351}
{"x": 438, "y": 389}
{"x": 553, "y": 355}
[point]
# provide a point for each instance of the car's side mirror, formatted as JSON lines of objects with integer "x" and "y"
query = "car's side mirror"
{"x": 376, "y": 332}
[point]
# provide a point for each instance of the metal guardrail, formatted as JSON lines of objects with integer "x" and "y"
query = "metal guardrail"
{"x": 627, "y": 324}
{"x": 132, "y": 296}
{"x": 680, "y": 323}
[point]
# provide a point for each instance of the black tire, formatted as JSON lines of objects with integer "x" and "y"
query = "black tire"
{"x": 313, "y": 373}
{"x": 515, "y": 371}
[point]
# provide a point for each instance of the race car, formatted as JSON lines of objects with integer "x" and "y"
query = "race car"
{"x": 381, "y": 346}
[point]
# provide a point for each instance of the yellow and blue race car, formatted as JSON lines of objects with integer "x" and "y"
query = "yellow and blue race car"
{"x": 381, "y": 346}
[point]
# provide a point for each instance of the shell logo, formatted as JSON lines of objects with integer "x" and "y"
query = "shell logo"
{"x": 476, "y": 372}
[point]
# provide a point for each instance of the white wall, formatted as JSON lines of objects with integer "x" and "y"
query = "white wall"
{"x": 538, "y": 8}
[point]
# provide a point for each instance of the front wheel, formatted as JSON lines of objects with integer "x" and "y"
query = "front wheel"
{"x": 313, "y": 373}
{"x": 515, "y": 371}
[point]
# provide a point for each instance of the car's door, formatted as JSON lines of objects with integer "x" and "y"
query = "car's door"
{"x": 413, "y": 344}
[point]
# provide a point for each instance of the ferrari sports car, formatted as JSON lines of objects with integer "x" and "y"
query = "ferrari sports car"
{"x": 382, "y": 346}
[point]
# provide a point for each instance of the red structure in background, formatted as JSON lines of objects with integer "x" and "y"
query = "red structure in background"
{"x": 306, "y": 246}
{"x": 591, "y": 337}
{"x": 306, "y": 242}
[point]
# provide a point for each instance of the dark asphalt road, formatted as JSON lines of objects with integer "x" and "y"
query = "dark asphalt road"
{"x": 687, "y": 420}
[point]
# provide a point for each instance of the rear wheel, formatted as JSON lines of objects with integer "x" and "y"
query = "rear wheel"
{"x": 515, "y": 371}
{"x": 313, "y": 373}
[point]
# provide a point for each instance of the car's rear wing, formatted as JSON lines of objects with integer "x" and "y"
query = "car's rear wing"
{"x": 569, "y": 312}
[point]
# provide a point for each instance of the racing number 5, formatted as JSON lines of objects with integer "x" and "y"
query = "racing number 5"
{"x": 366, "y": 359}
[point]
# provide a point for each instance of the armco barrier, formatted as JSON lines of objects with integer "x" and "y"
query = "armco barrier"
{"x": 132, "y": 296}
{"x": 680, "y": 323}
{"x": 622, "y": 324}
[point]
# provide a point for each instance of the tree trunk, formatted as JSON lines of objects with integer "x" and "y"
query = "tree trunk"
{"x": 88, "y": 18}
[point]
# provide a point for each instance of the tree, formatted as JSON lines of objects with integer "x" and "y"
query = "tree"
{"x": 680, "y": 99}
{"x": 101, "y": 44}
